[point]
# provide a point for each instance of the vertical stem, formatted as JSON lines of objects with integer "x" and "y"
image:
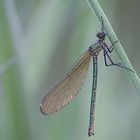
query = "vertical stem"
{"x": 4, "y": 67}
{"x": 133, "y": 77}
{"x": 17, "y": 111}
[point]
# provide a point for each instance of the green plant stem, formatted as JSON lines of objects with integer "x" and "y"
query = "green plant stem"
{"x": 6, "y": 66}
{"x": 133, "y": 77}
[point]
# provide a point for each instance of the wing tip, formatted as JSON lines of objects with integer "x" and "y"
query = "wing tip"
{"x": 41, "y": 110}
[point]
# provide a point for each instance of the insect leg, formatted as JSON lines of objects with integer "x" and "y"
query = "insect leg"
{"x": 105, "y": 59}
{"x": 111, "y": 48}
{"x": 112, "y": 63}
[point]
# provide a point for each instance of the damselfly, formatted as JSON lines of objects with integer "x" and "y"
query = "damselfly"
{"x": 69, "y": 87}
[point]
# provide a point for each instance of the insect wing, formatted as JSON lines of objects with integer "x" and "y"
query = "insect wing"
{"x": 69, "y": 87}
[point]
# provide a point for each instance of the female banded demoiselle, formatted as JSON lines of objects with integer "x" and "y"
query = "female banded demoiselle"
{"x": 69, "y": 87}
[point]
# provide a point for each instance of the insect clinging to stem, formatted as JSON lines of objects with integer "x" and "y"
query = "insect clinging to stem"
{"x": 69, "y": 87}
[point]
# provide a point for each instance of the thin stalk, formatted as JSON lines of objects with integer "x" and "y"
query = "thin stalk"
{"x": 133, "y": 77}
{"x": 6, "y": 66}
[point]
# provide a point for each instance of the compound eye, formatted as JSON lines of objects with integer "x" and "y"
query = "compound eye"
{"x": 102, "y": 37}
{"x": 99, "y": 35}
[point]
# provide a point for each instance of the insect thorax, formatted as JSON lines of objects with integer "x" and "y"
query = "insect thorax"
{"x": 95, "y": 50}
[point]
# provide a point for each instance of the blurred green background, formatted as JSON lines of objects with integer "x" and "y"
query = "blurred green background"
{"x": 46, "y": 37}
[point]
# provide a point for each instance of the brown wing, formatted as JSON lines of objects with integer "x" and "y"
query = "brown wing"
{"x": 64, "y": 92}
